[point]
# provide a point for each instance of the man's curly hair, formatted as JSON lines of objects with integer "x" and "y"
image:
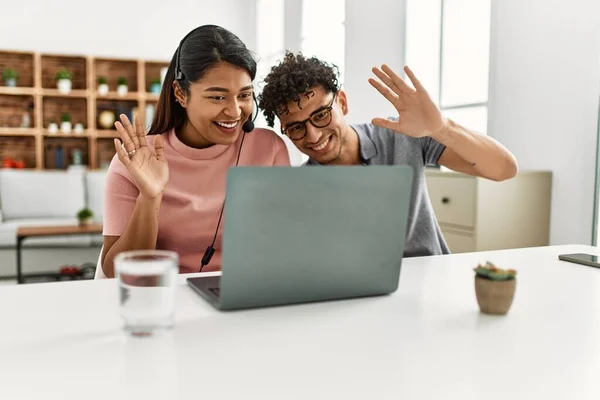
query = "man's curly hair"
{"x": 293, "y": 78}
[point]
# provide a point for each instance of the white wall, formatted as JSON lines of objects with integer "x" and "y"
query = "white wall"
{"x": 148, "y": 29}
{"x": 545, "y": 69}
{"x": 544, "y": 89}
{"x": 374, "y": 35}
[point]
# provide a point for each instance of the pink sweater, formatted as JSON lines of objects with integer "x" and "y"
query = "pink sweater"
{"x": 193, "y": 197}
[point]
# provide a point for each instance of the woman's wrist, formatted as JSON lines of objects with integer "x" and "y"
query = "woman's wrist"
{"x": 150, "y": 201}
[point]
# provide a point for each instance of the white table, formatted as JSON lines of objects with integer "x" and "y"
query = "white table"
{"x": 426, "y": 341}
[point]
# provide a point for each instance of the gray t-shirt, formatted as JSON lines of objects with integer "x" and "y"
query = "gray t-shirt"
{"x": 380, "y": 146}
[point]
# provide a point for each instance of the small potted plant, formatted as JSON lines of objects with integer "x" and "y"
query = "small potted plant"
{"x": 494, "y": 288}
{"x": 10, "y": 77}
{"x": 84, "y": 216}
{"x": 122, "y": 86}
{"x": 155, "y": 86}
{"x": 65, "y": 123}
{"x": 102, "y": 86}
{"x": 63, "y": 81}
{"x": 52, "y": 128}
{"x": 78, "y": 128}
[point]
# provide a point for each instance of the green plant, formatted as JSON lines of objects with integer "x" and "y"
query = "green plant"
{"x": 65, "y": 117}
{"x": 102, "y": 80}
{"x": 9, "y": 73}
{"x": 491, "y": 272}
{"x": 84, "y": 213}
{"x": 63, "y": 74}
{"x": 122, "y": 81}
{"x": 155, "y": 81}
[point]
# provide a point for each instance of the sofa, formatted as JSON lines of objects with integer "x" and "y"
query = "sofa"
{"x": 32, "y": 197}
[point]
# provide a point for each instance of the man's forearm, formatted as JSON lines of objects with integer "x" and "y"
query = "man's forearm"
{"x": 488, "y": 157}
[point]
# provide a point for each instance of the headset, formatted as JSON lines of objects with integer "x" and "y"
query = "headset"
{"x": 247, "y": 127}
{"x": 210, "y": 250}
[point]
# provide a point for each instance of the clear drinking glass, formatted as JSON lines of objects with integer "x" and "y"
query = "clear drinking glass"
{"x": 147, "y": 284}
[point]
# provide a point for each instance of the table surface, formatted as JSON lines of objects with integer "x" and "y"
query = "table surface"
{"x": 54, "y": 230}
{"x": 428, "y": 340}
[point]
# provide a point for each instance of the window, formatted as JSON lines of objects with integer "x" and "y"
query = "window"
{"x": 271, "y": 45}
{"x": 448, "y": 47}
{"x": 270, "y": 18}
{"x": 323, "y": 31}
{"x": 320, "y": 33}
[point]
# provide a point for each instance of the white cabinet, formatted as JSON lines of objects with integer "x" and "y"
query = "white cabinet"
{"x": 477, "y": 214}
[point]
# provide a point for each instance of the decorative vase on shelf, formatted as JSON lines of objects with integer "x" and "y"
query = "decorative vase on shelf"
{"x": 64, "y": 86}
{"x": 76, "y": 156}
{"x": 63, "y": 81}
{"x": 78, "y": 129}
{"x": 155, "y": 86}
{"x": 122, "y": 88}
{"x": 58, "y": 155}
{"x": 52, "y": 128}
{"x": 26, "y": 120}
{"x": 65, "y": 127}
{"x": 106, "y": 119}
{"x": 102, "y": 86}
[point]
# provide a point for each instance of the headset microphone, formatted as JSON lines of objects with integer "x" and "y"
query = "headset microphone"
{"x": 247, "y": 127}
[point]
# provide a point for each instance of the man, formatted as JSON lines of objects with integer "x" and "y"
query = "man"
{"x": 305, "y": 95}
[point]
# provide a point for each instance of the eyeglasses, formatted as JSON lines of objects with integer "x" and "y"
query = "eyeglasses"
{"x": 318, "y": 119}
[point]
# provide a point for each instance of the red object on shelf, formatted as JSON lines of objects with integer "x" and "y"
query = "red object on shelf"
{"x": 20, "y": 164}
{"x": 8, "y": 163}
{"x": 69, "y": 270}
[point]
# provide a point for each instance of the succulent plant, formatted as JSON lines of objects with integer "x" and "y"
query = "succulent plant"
{"x": 491, "y": 272}
{"x": 84, "y": 213}
{"x": 63, "y": 74}
{"x": 102, "y": 80}
{"x": 122, "y": 81}
{"x": 9, "y": 73}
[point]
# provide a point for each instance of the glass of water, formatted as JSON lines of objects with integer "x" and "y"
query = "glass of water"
{"x": 147, "y": 284}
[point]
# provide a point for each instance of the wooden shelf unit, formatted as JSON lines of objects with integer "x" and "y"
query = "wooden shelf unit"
{"x": 27, "y": 109}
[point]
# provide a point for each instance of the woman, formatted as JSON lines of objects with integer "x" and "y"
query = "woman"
{"x": 166, "y": 190}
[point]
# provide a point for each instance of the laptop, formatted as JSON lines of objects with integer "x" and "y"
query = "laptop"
{"x": 306, "y": 234}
